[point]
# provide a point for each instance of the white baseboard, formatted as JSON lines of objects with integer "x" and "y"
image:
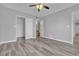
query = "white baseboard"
{"x": 44, "y": 37}
{"x": 7, "y": 41}
{"x": 59, "y": 40}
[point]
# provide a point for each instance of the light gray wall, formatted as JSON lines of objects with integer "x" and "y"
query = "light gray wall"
{"x": 58, "y": 26}
{"x": 8, "y": 22}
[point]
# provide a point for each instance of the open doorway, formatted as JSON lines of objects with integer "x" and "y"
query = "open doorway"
{"x": 20, "y": 29}
{"x": 76, "y": 30}
{"x": 24, "y": 29}
{"x": 39, "y": 28}
{"x": 76, "y": 26}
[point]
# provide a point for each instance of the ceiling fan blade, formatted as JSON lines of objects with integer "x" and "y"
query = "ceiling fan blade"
{"x": 31, "y": 5}
{"x": 46, "y": 7}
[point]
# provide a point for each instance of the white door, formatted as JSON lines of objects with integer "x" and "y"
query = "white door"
{"x": 28, "y": 28}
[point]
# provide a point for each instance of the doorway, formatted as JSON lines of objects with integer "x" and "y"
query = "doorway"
{"x": 40, "y": 28}
{"x": 76, "y": 30}
{"x": 20, "y": 29}
{"x": 24, "y": 29}
{"x": 76, "y": 26}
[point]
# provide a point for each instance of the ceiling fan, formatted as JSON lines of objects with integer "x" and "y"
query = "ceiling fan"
{"x": 39, "y": 6}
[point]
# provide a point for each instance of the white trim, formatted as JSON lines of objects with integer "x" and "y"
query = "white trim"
{"x": 72, "y": 29}
{"x": 59, "y": 40}
{"x": 7, "y": 41}
{"x": 16, "y": 27}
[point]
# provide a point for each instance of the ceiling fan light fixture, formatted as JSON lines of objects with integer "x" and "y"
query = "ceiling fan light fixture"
{"x": 39, "y": 6}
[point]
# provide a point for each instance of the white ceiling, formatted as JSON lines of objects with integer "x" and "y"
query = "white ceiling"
{"x": 23, "y": 7}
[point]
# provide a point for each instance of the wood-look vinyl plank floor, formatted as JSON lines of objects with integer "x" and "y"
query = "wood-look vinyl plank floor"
{"x": 41, "y": 47}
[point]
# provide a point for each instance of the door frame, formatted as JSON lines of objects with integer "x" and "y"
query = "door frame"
{"x": 16, "y": 22}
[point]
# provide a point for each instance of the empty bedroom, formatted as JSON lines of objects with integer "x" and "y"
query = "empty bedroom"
{"x": 39, "y": 29}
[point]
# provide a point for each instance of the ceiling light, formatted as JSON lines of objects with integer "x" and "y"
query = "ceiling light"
{"x": 39, "y": 6}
